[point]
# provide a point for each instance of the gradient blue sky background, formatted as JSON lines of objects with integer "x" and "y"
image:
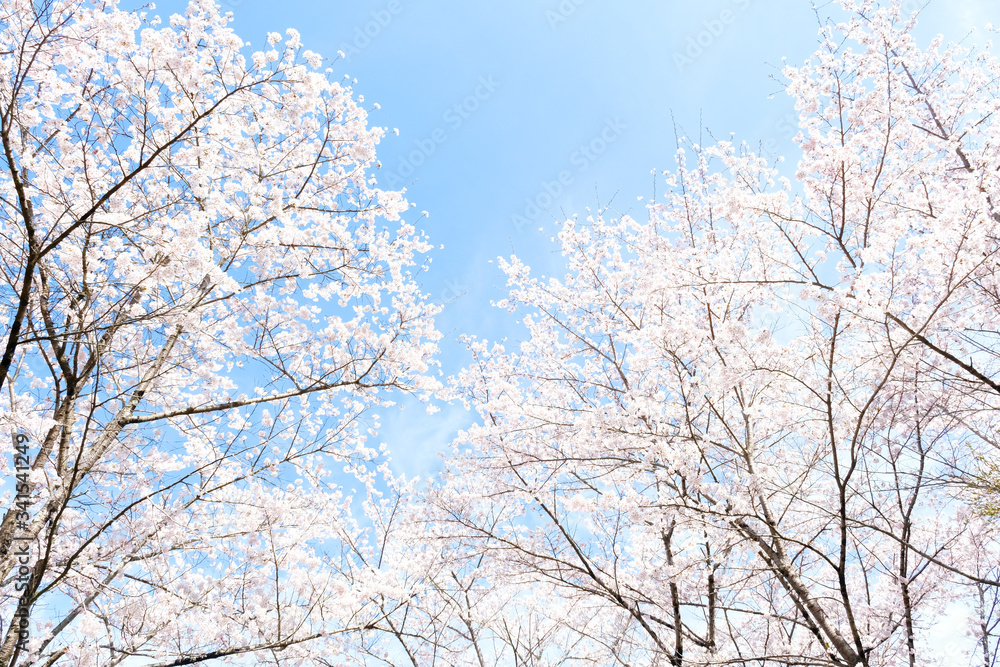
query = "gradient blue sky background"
{"x": 559, "y": 71}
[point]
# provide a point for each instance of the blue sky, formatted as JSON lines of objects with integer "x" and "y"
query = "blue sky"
{"x": 495, "y": 100}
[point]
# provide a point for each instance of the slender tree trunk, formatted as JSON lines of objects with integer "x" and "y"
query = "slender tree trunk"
{"x": 677, "y": 659}
{"x": 904, "y": 553}
{"x": 712, "y": 602}
{"x": 984, "y": 627}
{"x": 911, "y": 648}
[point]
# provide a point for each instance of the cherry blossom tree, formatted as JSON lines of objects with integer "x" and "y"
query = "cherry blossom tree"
{"x": 744, "y": 431}
{"x": 206, "y": 295}
{"x": 462, "y": 608}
